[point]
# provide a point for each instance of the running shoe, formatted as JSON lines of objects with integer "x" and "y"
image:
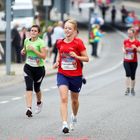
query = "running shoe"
{"x": 29, "y": 112}
{"x": 127, "y": 91}
{"x": 132, "y": 92}
{"x": 73, "y": 122}
{"x": 38, "y": 108}
{"x": 65, "y": 128}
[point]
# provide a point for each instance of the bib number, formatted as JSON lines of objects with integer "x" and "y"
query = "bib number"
{"x": 69, "y": 64}
{"x": 33, "y": 61}
{"x": 129, "y": 56}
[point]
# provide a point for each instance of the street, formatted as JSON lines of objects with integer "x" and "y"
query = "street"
{"x": 105, "y": 113}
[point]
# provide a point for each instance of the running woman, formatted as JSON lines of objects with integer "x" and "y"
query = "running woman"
{"x": 34, "y": 70}
{"x": 69, "y": 77}
{"x": 130, "y": 49}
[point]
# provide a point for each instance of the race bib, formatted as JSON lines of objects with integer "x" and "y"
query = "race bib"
{"x": 129, "y": 56}
{"x": 33, "y": 61}
{"x": 69, "y": 64}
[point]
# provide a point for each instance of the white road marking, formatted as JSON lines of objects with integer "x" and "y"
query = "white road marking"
{"x": 105, "y": 71}
{"x": 16, "y": 98}
{"x": 54, "y": 87}
{"x": 4, "y": 102}
{"x": 46, "y": 89}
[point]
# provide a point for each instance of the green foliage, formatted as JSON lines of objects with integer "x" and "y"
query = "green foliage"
{"x": 44, "y": 25}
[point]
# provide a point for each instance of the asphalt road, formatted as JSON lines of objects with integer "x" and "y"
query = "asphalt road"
{"x": 104, "y": 113}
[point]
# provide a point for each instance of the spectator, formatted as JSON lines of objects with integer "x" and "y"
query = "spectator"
{"x": 16, "y": 43}
{"x": 95, "y": 38}
{"x": 113, "y": 14}
{"x": 104, "y": 8}
{"x": 72, "y": 3}
{"x": 58, "y": 33}
{"x": 23, "y": 35}
{"x": 95, "y": 19}
{"x": 48, "y": 40}
{"x": 37, "y": 20}
{"x": 124, "y": 13}
{"x": 129, "y": 19}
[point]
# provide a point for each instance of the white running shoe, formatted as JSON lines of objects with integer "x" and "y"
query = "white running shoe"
{"x": 65, "y": 128}
{"x": 38, "y": 108}
{"x": 73, "y": 122}
{"x": 132, "y": 92}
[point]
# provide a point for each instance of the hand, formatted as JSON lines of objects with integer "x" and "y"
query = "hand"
{"x": 73, "y": 54}
{"x": 124, "y": 51}
{"x": 55, "y": 65}
{"x": 23, "y": 52}
{"x": 31, "y": 48}
{"x": 134, "y": 47}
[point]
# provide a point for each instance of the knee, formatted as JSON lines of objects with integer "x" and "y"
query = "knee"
{"x": 64, "y": 100}
{"x": 37, "y": 90}
{"x": 75, "y": 101}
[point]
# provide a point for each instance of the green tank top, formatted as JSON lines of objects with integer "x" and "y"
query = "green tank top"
{"x": 31, "y": 58}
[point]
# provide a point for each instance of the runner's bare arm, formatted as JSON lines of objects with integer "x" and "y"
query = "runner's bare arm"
{"x": 42, "y": 53}
{"x": 84, "y": 57}
{"x": 56, "y": 64}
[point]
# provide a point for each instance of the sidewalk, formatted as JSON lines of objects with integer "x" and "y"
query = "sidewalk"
{"x": 16, "y": 75}
{"x": 131, "y": 4}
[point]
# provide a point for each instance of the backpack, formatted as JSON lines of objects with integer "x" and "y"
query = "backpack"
{"x": 91, "y": 36}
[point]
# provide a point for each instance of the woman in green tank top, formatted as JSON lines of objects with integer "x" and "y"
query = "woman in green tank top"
{"x": 34, "y": 70}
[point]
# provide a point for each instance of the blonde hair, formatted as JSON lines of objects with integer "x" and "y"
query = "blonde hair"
{"x": 72, "y": 21}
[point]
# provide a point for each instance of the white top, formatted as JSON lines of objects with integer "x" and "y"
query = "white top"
{"x": 58, "y": 33}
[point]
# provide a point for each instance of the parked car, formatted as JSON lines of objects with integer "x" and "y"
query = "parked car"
{"x": 23, "y": 13}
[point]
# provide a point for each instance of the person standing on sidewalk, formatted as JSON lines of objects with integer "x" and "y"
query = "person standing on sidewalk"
{"x": 130, "y": 49}
{"x": 124, "y": 13}
{"x": 23, "y": 35}
{"x": 71, "y": 52}
{"x": 34, "y": 70}
{"x": 58, "y": 33}
{"x": 16, "y": 43}
{"x": 95, "y": 38}
{"x": 103, "y": 8}
{"x": 48, "y": 40}
{"x": 113, "y": 14}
